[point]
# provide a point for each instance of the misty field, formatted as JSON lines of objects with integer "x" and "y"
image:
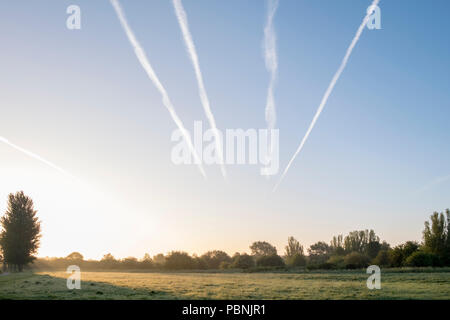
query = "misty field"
{"x": 307, "y": 285}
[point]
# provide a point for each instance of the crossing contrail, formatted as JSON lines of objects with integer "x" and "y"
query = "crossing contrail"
{"x": 270, "y": 56}
{"x": 184, "y": 26}
{"x": 329, "y": 89}
{"x": 37, "y": 157}
{"x": 142, "y": 57}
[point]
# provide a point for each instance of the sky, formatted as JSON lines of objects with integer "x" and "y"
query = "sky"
{"x": 378, "y": 157}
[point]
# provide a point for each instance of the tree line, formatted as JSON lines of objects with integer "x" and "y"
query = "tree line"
{"x": 20, "y": 234}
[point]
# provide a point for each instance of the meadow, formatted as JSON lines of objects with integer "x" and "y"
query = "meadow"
{"x": 404, "y": 284}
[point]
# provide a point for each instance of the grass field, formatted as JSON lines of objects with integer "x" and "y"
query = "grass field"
{"x": 307, "y": 285}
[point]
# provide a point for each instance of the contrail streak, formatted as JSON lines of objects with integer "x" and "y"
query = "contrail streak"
{"x": 329, "y": 89}
{"x": 142, "y": 57}
{"x": 183, "y": 22}
{"x": 35, "y": 156}
{"x": 270, "y": 55}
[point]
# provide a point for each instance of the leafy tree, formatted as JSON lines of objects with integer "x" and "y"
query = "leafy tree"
{"x": 293, "y": 248}
{"x": 177, "y": 260}
{"x": 108, "y": 258}
{"x": 159, "y": 259}
{"x": 409, "y": 247}
{"x": 296, "y": 260}
{"x": 396, "y": 256}
{"x": 319, "y": 252}
{"x": 382, "y": 259}
{"x": 213, "y": 259}
{"x": 243, "y": 261}
{"x": 336, "y": 262}
{"x": 363, "y": 241}
{"x": 75, "y": 256}
{"x": 446, "y": 258}
{"x": 337, "y": 245}
{"x": 108, "y": 261}
{"x": 129, "y": 263}
{"x": 355, "y": 260}
{"x": 372, "y": 249}
{"x": 400, "y": 253}
{"x": 447, "y": 213}
{"x": 270, "y": 261}
{"x": 435, "y": 235}
{"x": 147, "y": 261}
{"x": 385, "y": 246}
{"x": 294, "y": 253}
{"x": 20, "y": 236}
{"x": 263, "y": 248}
{"x": 422, "y": 259}
{"x": 199, "y": 263}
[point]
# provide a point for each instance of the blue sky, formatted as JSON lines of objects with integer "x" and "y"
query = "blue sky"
{"x": 80, "y": 99}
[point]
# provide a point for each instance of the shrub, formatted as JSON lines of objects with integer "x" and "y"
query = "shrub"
{"x": 422, "y": 259}
{"x": 321, "y": 266}
{"x": 225, "y": 265}
{"x": 243, "y": 261}
{"x": 400, "y": 253}
{"x": 326, "y": 266}
{"x": 270, "y": 261}
{"x": 296, "y": 260}
{"x": 382, "y": 258}
{"x": 319, "y": 253}
{"x": 179, "y": 260}
{"x": 356, "y": 260}
{"x": 213, "y": 259}
{"x": 336, "y": 262}
{"x": 199, "y": 263}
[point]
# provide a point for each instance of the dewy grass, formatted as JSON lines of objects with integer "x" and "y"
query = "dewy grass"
{"x": 308, "y": 285}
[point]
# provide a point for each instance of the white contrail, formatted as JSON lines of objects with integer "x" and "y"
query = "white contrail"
{"x": 270, "y": 56}
{"x": 330, "y": 88}
{"x": 183, "y": 22}
{"x": 142, "y": 57}
{"x": 35, "y": 156}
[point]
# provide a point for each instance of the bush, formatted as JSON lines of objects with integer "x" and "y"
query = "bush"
{"x": 400, "y": 253}
{"x": 225, "y": 265}
{"x": 382, "y": 258}
{"x": 213, "y": 259}
{"x": 336, "y": 262}
{"x": 243, "y": 261}
{"x": 179, "y": 260}
{"x": 199, "y": 263}
{"x": 297, "y": 260}
{"x": 326, "y": 266}
{"x": 321, "y": 266}
{"x": 422, "y": 259}
{"x": 356, "y": 260}
{"x": 396, "y": 257}
{"x": 270, "y": 261}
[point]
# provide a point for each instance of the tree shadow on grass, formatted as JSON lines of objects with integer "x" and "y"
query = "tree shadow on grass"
{"x": 26, "y": 286}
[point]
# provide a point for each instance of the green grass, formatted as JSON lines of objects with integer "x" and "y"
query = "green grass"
{"x": 305, "y": 285}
